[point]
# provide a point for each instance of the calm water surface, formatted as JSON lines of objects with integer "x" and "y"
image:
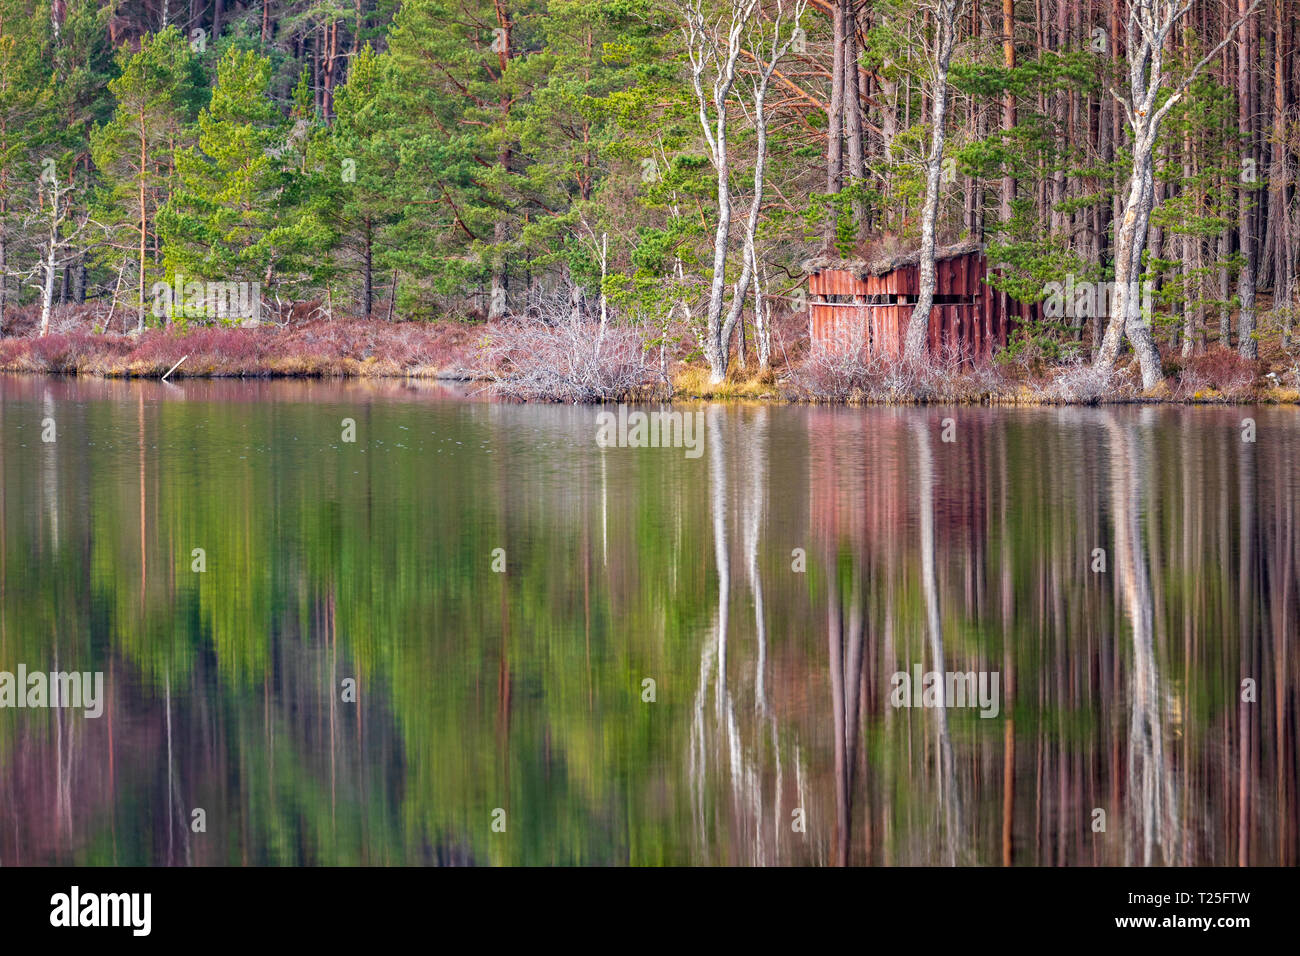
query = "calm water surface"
{"x": 769, "y": 588}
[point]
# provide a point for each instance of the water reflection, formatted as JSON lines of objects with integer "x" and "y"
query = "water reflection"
{"x": 1151, "y": 816}
{"x": 1122, "y": 572}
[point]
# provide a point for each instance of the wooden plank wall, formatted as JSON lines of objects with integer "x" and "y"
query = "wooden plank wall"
{"x": 973, "y": 328}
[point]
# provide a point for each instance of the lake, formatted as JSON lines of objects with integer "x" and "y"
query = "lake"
{"x": 473, "y": 634}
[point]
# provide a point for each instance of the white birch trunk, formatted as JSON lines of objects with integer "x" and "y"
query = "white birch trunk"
{"x": 47, "y": 289}
{"x": 1150, "y": 23}
{"x": 946, "y": 14}
{"x": 721, "y": 53}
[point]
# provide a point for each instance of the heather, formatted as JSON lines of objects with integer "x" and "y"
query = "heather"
{"x": 314, "y": 348}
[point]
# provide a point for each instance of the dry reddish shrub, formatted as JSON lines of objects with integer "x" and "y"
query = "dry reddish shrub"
{"x": 530, "y": 359}
{"x": 847, "y": 371}
{"x": 1081, "y": 383}
{"x": 307, "y": 347}
{"x": 1220, "y": 370}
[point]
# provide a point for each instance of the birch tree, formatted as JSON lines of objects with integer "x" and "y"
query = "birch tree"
{"x": 1150, "y": 23}
{"x": 946, "y": 14}
{"x": 713, "y": 47}
{"x": 62, "y": 223}
{"x": 768, "y": 47}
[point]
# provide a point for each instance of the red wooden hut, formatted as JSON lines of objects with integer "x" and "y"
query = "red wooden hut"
{"x": 858, "y": 303}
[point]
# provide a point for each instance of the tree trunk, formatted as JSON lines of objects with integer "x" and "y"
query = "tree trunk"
{"x": 1246, "y": 342}
{"x": 919, "y": 324}
{"x": 1280, "y": 240}
{"x": 716, "y": 345}
{"x": 47, "y": 291}
{"x": 1129, "y": 246}
{"x": 143, "y": 221}
{"x": 717, "y": 337}
{"x": 834, "y": 124}
{"x": 1225, "y": 313}
{"x": 751, "y": 224}
{"x": 4, "y": 269}
{"x": 762, "y": 319}
{"x": 1192, "y": 316}
{"x": 500, "y": 267}
{"x": 368, "y": 272}
{"x": 852, "y": 103}
{"x": 1150, "y": 23}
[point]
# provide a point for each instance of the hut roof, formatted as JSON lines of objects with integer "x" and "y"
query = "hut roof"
{"x": 886, "y": 262}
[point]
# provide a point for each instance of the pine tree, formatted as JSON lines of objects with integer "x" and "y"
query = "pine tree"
{"x": 80, "y": 100}
{"x": 24, "y": 98}
{"x": 568, "y": 133}
{"x": 357, "y": 168}
{"x": 157, "y": 94}
{"x": 453, "y": 77}
{"x": 225, "y": 220}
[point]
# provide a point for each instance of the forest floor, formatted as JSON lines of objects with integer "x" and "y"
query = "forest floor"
{"x": 457, "y": 350}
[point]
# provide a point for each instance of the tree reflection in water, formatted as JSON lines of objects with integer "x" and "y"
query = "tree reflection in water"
{"x": 329, "y": 561}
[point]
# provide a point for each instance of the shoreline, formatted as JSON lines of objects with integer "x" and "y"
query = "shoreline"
{"x": 989, "y": 400}
{"x": 484, "y": 359}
